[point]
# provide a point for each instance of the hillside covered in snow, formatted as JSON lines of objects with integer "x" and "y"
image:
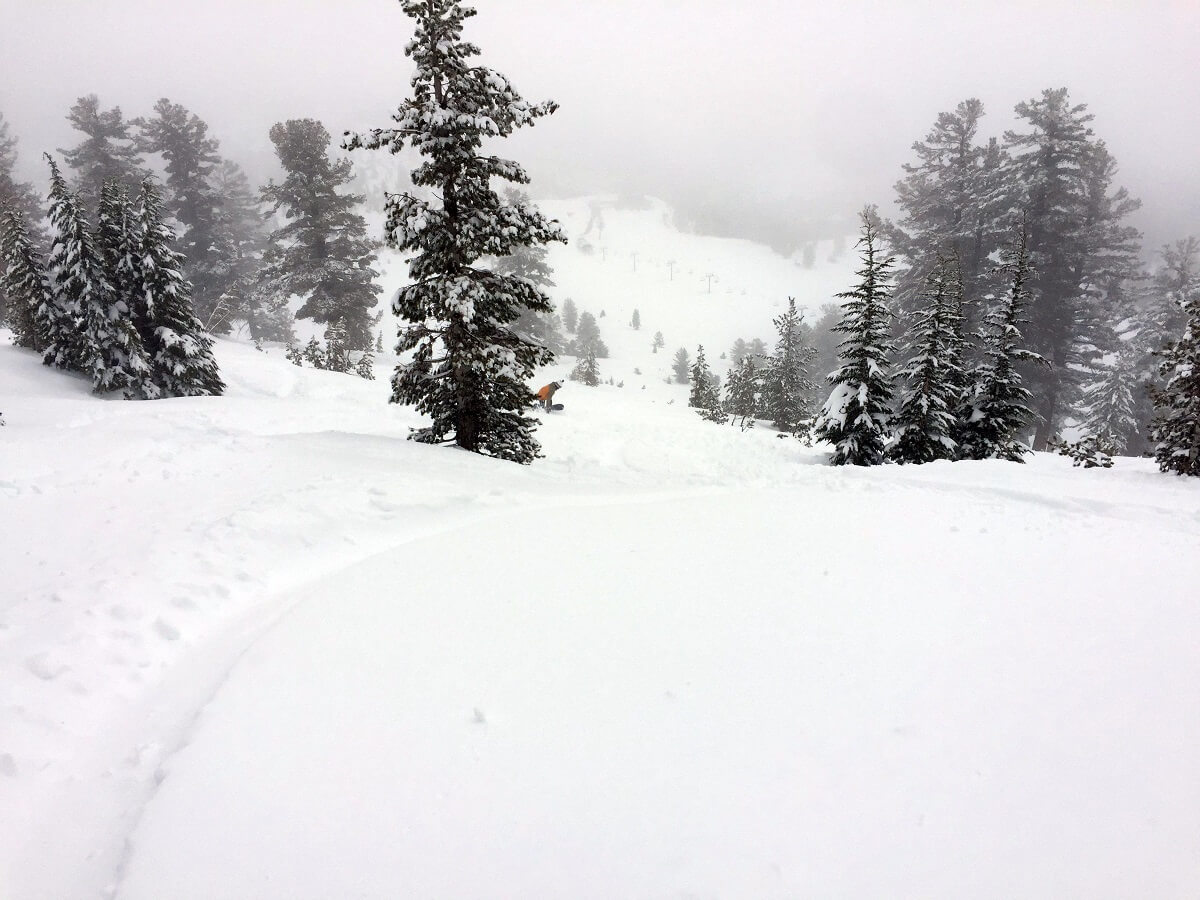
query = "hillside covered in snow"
{"x": 261, "y": 645}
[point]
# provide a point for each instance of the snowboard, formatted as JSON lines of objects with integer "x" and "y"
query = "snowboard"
{"x": 556, "y": 407}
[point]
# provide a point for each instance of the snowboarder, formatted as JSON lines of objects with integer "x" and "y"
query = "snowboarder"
{"x": 546, "y": 395}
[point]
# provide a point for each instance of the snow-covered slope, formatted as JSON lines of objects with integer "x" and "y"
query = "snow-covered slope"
{"x": 263, "y": 646}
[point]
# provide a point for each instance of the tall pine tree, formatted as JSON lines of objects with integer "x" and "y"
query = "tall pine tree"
{"x": 192, "y": 158}
{"x": 23, "y": 281}
{"x": 999, "y": 406}
{"x": 322, "y": 254}
{"x": 469, "y": 369}
{"x": 1176, "y": 425}
{"x": 1110, "y": 411}
{"x": 1062, "y": 178}
{"x": 23, "y": 199}
{"x": 786, "y": 388}
{"x": 106, "y": 151}
{"x": 924, "y": 427}
{"x": 180, "y": 350}
{"x": 856, "y": 415}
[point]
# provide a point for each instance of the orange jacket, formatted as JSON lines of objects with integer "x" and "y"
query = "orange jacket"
{"x": 547, "y": 391}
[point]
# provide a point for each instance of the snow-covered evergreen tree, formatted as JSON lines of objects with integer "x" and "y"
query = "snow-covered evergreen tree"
{"x": 22, "y": 280}
{"x": 923, "y": 429}
{"x": 681, "y": 366}
{"x": 1109, "y": 405}
{"x": 365, "y": 367}
{"x": 90, "y": 328}
{"x": 856, "y": 415}
{"x": 1176, "y": 425}
{"x": 23, "y": 198}
{"x": 658, "y": 343}
{"x": 636, "y": 321}
{"x": 107, "y": 150}
{"x": 322, "y": 254}
{"x": 705, "y": 395}
{"x": 587, "y": 370}
{"x": 180, "y": 350}
{"x": 786, "y": 388}
{"x": 742, "y": 390}
{"x": 1000, "y": 404}
{"x": 469, "y": 369}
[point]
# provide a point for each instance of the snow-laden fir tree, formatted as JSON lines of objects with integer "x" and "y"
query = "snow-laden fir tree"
{"x": 681, "y": 366}
{"x": 89, "y": 329}
{"x": 855, "y": 417}
{"x": 786, "y": 388}
{"x": 322, "y": 254}
{"x": 22, "y": 197}
{"x": 180, "y": 350}
{"x": 23, "y": 280}
{"x": 742, "y": 390}
{"x": 636, "y": 321}
{"x": 365, "y": 367}
{"x": 1176, "y": 426}
{"x": 999, "y": 404}
{"x": 924, "y": 427}
{"x": 587, "y": 370}
{"x": 658, "y": 343}
{"x": 118, "y": 248}
{"x": 705, "y": 395}
{"x": 469, "y": 369}
{"x": 1108, "y": 401}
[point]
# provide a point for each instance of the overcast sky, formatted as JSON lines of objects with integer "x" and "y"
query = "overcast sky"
{"x": 770, "y": 110}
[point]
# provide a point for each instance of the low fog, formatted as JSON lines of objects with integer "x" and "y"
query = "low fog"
{"x": 774, "y": 119}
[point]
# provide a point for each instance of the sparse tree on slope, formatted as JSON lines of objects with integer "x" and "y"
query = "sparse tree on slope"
{"x": 587, "y": 337}
{"x": 705, "y": 396}
{"x": 923, "y": 429}
{"x": 742, "y": 390}
{"x": 180, "y": 350}
{"x": 570, "y": 315}
{"x": 587, "y": 370}
{"x": 999, "y": 403}
{"x": 469, "y": 369}
{"x": 1176, "y": 426}
{"x": 786, "y": 388}
{"x": 323, "y": 253}
{"x": 855, "y": 417}
{"x": 681, "y": 366}
{"x": 23, "y": 281}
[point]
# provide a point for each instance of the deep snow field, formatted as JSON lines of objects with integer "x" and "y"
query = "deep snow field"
{"x": 261, "y": 646}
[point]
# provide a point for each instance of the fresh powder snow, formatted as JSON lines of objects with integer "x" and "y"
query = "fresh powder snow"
{"x": 262, "y": 645}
